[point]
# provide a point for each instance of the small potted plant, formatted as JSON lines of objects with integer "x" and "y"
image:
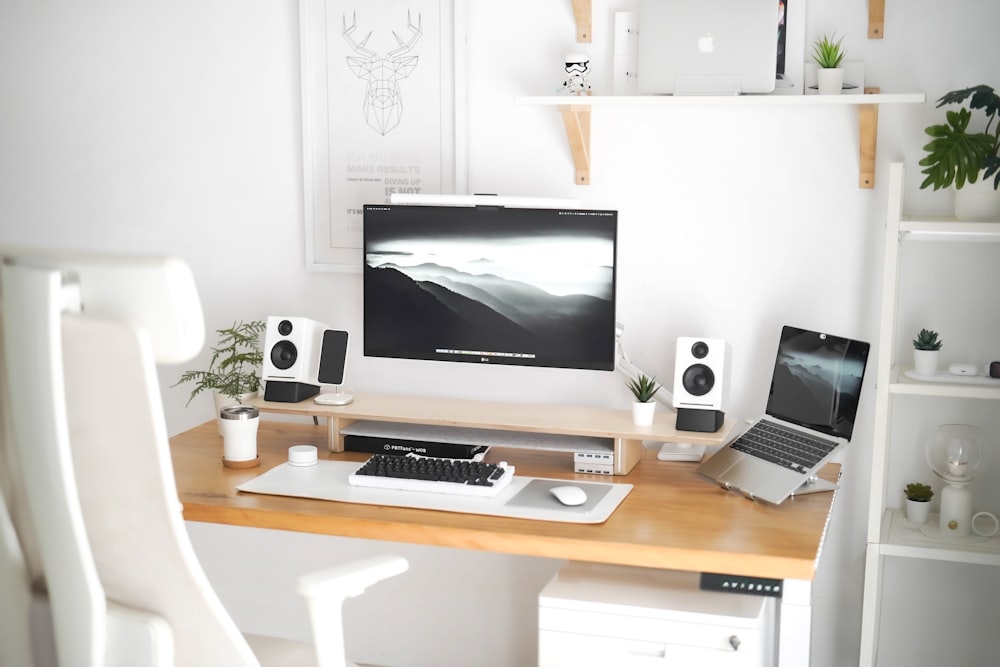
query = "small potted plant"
{"x": 643, "y": 388}
{"x": 918, "y": 502}
{"x": 957, "y": 153}
{"x": 926, "y": 348}
{"x": 233, "y": 373}
{"x": 828, "y": 53}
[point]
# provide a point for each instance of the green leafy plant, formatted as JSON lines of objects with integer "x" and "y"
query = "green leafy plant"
{"x": 956, "y": 154}
{"x": 919, "y": 492}
{"x": 927, "y": 340}
{"x": 828, "y": 53}
{"x": 643, "y": 388}
{"x": 234, "y": 369}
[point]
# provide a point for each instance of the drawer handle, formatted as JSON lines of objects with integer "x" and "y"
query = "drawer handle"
{"x": 734, "y": 641}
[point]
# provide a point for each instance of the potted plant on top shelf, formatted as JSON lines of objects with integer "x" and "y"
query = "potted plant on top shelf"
{"x": 828, "y": 55}
{"x": 233, "y": 374}
{"x": 957, "y": 154}
{"x": 926, "y": 348}
{"x": 643, "y": 388}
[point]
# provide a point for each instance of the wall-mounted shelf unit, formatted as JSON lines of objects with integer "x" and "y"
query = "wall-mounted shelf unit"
{"x": 576, "y": 117}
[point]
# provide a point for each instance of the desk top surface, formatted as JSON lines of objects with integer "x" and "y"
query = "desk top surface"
{"x": 672, "y": 519}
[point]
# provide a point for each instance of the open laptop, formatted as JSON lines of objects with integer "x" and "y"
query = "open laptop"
{"x": 707, "y": 47}
{"x": 811, "y": 407}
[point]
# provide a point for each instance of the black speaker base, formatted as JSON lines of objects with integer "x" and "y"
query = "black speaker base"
{"x": 703, "y": 421}
{"x": 289, "y": 392}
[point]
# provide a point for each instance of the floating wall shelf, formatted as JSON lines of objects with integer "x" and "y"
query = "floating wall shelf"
{"x": 576, "y": 117}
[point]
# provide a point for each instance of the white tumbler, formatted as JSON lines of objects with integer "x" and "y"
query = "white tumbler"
{"x": 239, "y": 436}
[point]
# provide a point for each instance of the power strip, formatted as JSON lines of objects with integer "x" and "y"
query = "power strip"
{"x": 594, "y": 463}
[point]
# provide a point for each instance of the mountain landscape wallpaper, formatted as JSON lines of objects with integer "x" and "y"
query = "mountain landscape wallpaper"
{"x": 502, "y": 286}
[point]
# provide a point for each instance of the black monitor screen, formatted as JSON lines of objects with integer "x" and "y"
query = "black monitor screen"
{"x": 490, "y": 285}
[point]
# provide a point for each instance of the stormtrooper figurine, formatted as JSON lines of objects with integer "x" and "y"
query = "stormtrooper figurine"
{"x": 576, "y": 71}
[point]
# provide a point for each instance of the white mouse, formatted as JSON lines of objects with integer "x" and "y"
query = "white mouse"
{"x": 569, "y": 495}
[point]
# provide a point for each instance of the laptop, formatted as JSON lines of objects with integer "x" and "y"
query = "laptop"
{"x": 811, "y": 407}
{"x": 707, "y": 47}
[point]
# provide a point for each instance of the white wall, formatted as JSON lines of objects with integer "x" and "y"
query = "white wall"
{"x": 175, "y": 128}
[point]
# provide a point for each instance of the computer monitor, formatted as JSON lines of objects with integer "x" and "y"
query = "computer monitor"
{"x": 490, "y": 285}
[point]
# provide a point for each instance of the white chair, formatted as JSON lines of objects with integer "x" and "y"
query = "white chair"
{"x": 90, "y": 521}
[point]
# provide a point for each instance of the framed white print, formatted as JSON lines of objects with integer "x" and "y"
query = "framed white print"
{"x": 378, "y": 113}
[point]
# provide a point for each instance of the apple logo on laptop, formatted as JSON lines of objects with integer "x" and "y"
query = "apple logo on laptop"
{"x": 706, "y": 43}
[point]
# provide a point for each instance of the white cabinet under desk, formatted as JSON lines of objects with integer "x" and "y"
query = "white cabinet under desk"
{"x": 522, "y": 419}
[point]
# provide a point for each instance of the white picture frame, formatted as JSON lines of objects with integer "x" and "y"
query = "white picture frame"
{"x": 359, "y": 149}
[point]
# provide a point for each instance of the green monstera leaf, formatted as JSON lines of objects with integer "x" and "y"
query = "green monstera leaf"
{"x": 957, "y": 156}
{"x": 954, "y": 156}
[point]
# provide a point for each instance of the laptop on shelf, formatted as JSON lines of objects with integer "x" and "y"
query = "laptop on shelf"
{"x": 810, "y": 413}
{"x": 707, "y": 47}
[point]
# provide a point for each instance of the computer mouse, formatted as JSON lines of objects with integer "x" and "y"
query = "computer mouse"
{"x": 569, "y": 495}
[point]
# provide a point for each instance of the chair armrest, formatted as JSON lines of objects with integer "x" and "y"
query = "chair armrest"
{"x": 325, "y": 591}
{"x": 350, "y": 579}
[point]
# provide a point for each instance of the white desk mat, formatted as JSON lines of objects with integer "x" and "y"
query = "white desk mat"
{"x": 523, "y": 498}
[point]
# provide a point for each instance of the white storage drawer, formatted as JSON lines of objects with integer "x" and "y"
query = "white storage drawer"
{"x": 592, "y": 614}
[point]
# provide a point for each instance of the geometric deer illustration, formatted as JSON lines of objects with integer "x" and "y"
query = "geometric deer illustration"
{"x": 383, "y": 105}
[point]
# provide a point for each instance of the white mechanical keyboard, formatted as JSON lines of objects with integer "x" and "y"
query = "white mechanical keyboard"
{"x": 435, "y": 475}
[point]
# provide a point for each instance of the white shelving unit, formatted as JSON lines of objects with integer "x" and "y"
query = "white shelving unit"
{"x": 889, "y": 533}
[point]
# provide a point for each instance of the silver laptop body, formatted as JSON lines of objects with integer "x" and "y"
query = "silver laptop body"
{"x": 707, "y": 47}
{"x": 812, "y": 402}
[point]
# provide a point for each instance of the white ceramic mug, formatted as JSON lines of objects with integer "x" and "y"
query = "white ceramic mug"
{"x": 991, "y": 527}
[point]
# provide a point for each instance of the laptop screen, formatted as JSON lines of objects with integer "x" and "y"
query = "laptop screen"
{"x": 817, "y": 381}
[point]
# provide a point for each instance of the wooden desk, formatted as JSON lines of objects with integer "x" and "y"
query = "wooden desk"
{"x": 672, "y": 519}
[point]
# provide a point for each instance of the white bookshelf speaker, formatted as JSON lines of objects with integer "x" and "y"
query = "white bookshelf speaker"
{"x": 292, "y": 348}
{"x": 700, "y": 385}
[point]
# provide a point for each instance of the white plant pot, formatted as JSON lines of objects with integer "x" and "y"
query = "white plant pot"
{"x": 978, "y": 202}
{"x": 222, "y": 401}
{"x": 925, "y": 362}
{"x": 917, "y": 511}
{"x": 642, "y": 413}
{"x": 830, "y": 81}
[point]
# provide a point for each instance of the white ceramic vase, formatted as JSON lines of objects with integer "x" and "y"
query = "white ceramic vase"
{"x": 925, "y": 362}
{"x": 917, "y": 511}
{"x": 830, "y": 81}
{"x": 642, "y": 413}
{"x": 978, "y": 202}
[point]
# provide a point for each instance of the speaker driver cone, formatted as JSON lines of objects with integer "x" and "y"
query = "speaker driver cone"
{"x": 284, "y": 354}
{"x": 698, "y": 379}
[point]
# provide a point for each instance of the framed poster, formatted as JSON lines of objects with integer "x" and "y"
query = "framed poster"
{"x": 378, "y": 113}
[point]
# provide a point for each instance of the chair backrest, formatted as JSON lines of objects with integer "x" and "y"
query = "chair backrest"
{"x": 128, "y": 497}
{"x": 89, "y": 494}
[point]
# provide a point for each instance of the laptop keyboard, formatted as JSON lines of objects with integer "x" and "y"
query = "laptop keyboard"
{"x": 790, "y": 449}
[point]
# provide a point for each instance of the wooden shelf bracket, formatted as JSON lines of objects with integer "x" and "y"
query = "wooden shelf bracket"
{"x": 867, "y": 141}
{"x": 584, "y": 20}
{"x": 876, "y": 19}
{"x": 576, "y": 118}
